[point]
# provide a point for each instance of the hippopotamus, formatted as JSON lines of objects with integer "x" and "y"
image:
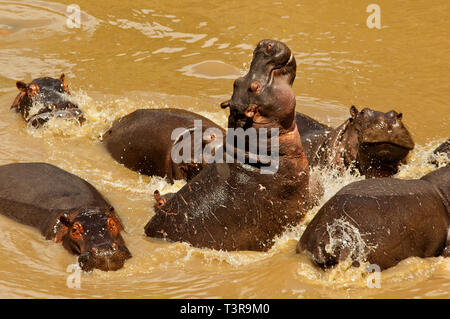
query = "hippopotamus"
{"x": 143, "y": 141}
{"x": 45, "y": 98}
{"x": 372, "y": 142}
{"x": 442, "y": 150}
{"x": 233, "y": 205}
{"x": 382, "y": 221}
{"x": 65, "y": 209}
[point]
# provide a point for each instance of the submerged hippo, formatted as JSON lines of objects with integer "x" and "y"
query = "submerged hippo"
{"x": 382, "y": 221}
{"x": 233, "y": 206}
{"x": 373, "y": 142}
{"x": 65, "y": 209}
{"x": 143, "y": 142}
{"x": 45, "y": 98}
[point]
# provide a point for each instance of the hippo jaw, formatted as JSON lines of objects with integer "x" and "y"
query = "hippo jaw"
{"x": 107, "y": 258}
{"x": 94, "y": 235}
{"x": 381, "y": 159}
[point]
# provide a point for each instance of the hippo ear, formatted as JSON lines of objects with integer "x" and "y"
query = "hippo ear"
{"x": 353, "y": 111}
{"x": 65, "y": 221}
{"x": 62, "y": 228}
{"x": 22, "y": 86}
{"x": 62, "y": 78}
{"x": 157, "y": 195}
{"x": 16, "y": 103}
{"x": 225, "y": 104}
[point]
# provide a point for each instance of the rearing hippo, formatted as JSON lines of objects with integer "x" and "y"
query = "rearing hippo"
{"x": 65, "y": 209}
{"x": 45, "y": 98}
{"x": 382, "y": 221}
{"x": 373, "y": 142}
{"x": 233, "y": 206}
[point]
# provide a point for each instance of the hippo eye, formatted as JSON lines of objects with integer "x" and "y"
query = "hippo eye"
{"x": 33, "y": 90}
{"x": 76, "y": 232}
{"x": 112, "y": 227}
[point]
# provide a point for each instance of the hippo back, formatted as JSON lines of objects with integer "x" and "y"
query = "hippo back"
{"x": 34, "y": 193}
{"x": 306, "y": 124}
{"x": 140, "y": 139}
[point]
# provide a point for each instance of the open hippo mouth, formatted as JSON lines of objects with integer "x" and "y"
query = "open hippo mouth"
{"x": 272, "y": 62}
{"x": 282, "y": 69}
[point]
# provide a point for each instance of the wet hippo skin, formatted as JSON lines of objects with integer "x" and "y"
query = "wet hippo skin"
{"x": 382, "y": 221}
{"x": 232, "y": 206}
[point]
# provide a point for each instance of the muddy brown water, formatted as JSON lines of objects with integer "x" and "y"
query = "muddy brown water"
{"x": 141, "y": 54}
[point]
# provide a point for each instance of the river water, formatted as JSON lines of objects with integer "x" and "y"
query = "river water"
{"x": 185, "y": 54}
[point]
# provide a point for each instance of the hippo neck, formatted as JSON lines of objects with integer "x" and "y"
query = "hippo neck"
{"x": 292, "y": 156}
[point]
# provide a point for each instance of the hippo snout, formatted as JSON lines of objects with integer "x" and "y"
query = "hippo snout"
{"x": 104, "y": 257}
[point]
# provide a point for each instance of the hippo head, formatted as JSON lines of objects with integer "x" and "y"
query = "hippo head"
{"x": 378, "y": 141}
{"x": 48, "y": 94}
{"x": 94, "y": 234}
{"x": 264, "y": 96}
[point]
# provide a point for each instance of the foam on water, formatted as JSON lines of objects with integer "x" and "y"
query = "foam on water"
{"x": 100, "y": 115}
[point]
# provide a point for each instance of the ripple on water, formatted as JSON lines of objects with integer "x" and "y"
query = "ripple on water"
{"x": 211, "y": 69}
{"x": 43, "y": 18}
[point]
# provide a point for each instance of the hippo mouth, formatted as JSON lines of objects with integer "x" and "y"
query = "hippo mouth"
{"x": 284, "y": 68}
{"x": 109, "y": 260}
{"x": 237, "y": 111}
{"x": 386, "y": 151}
